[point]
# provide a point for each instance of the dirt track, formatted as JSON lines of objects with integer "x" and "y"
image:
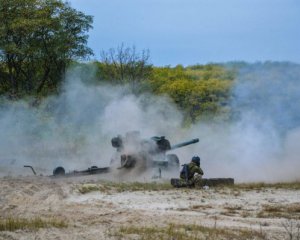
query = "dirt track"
{"x": 99, "y": 214}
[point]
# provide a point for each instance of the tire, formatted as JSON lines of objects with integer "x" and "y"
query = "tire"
{"x": 59, "y": 171}
{"x": 128, "y": 161}
{"x": 173, "y": 161}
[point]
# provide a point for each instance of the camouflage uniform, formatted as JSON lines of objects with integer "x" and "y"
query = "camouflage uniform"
{"x": 194, "y": 177}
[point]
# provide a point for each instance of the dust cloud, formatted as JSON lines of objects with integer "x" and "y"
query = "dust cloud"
{"x": 74, "y": 129}
{"x": 260, "y": 142}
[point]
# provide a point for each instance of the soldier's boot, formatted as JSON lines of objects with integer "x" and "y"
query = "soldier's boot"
{"x": 198, "y": 181}
{"x": 175, "y": 182}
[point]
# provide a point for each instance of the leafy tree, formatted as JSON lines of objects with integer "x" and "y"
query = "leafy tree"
{"x": 124, "y": 65}
{"x": 200, "y": 91}
{"x": 38, "y": 39}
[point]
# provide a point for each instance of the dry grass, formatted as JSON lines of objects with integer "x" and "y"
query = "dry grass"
{"x": 262, "y": 186}
{"x": 124, "y": 187}
{"x": 196, "y": 207}
{"x": 12, "y": 224}
{"x": 90, "y": 187}
{"x": 288, "y": 211}
{"x": 292, "y": 229}
{"x": 138, "y": 186}
{"x": 185, "y": 232}
{"x": 232, "y": 210}
{"x": 155, "y": 186}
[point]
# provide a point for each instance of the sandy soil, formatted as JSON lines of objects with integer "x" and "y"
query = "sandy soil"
{"x": 97, "y": 214}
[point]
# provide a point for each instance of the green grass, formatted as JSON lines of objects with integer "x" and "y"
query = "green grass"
{"x": 185, "y": 232}
{"x": 12, "y": 224}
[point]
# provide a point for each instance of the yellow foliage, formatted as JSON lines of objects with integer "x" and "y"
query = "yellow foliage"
{"x": 197, "y": 90}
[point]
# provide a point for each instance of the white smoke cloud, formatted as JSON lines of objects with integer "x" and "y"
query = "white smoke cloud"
{"x": 259, "y": 144}
{"x": 75, "y": 128}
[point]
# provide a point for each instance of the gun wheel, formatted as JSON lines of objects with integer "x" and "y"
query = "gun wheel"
{"x": 59, "y": 171}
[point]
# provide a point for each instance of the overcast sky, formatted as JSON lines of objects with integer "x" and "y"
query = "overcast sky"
{"x": 197, "y": 31}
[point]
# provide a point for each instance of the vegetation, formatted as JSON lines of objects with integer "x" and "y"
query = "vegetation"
{"x": 201, "y": 91}
{"x": 262, "y": 185}
{"x": 187, "y": 232}
{"x": 124, "y": 186}
{"x": 287, "y": 211}
{"x": 12, "y": 224}
{"x": 124, "y": 65}
{"x": 38, "y": 41}
{"x": 105, "y": 186}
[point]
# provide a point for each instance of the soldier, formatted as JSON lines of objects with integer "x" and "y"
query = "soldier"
{"x": 190, "y": 175}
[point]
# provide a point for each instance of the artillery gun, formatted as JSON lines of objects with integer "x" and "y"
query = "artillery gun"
{"x": 134, "y": 152}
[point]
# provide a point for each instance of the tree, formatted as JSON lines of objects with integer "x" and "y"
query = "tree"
{"x": 38, "y": 40}
{"x": 200, "y": 92}
{"x": 124, "y": 65}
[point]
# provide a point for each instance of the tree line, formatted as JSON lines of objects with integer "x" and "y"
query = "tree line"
{"x": 40, "y": 39}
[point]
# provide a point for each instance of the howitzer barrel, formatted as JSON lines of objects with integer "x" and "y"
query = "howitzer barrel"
{"x": 179, "y": 145}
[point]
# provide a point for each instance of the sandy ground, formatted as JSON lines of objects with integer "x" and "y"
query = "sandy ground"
{"x": 98, "y": 214}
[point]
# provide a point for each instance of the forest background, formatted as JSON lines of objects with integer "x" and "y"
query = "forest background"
{"x": 41, "y": 40}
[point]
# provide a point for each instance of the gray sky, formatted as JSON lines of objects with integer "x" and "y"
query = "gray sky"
{"x": 197, "y": 31}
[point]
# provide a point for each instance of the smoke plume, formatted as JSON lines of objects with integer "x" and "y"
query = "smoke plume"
{"x": 74, "y": 129}
{"x": 260, "y": 142}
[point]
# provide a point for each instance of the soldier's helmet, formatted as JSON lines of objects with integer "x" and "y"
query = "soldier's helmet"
{"x": 196, "y": 160}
